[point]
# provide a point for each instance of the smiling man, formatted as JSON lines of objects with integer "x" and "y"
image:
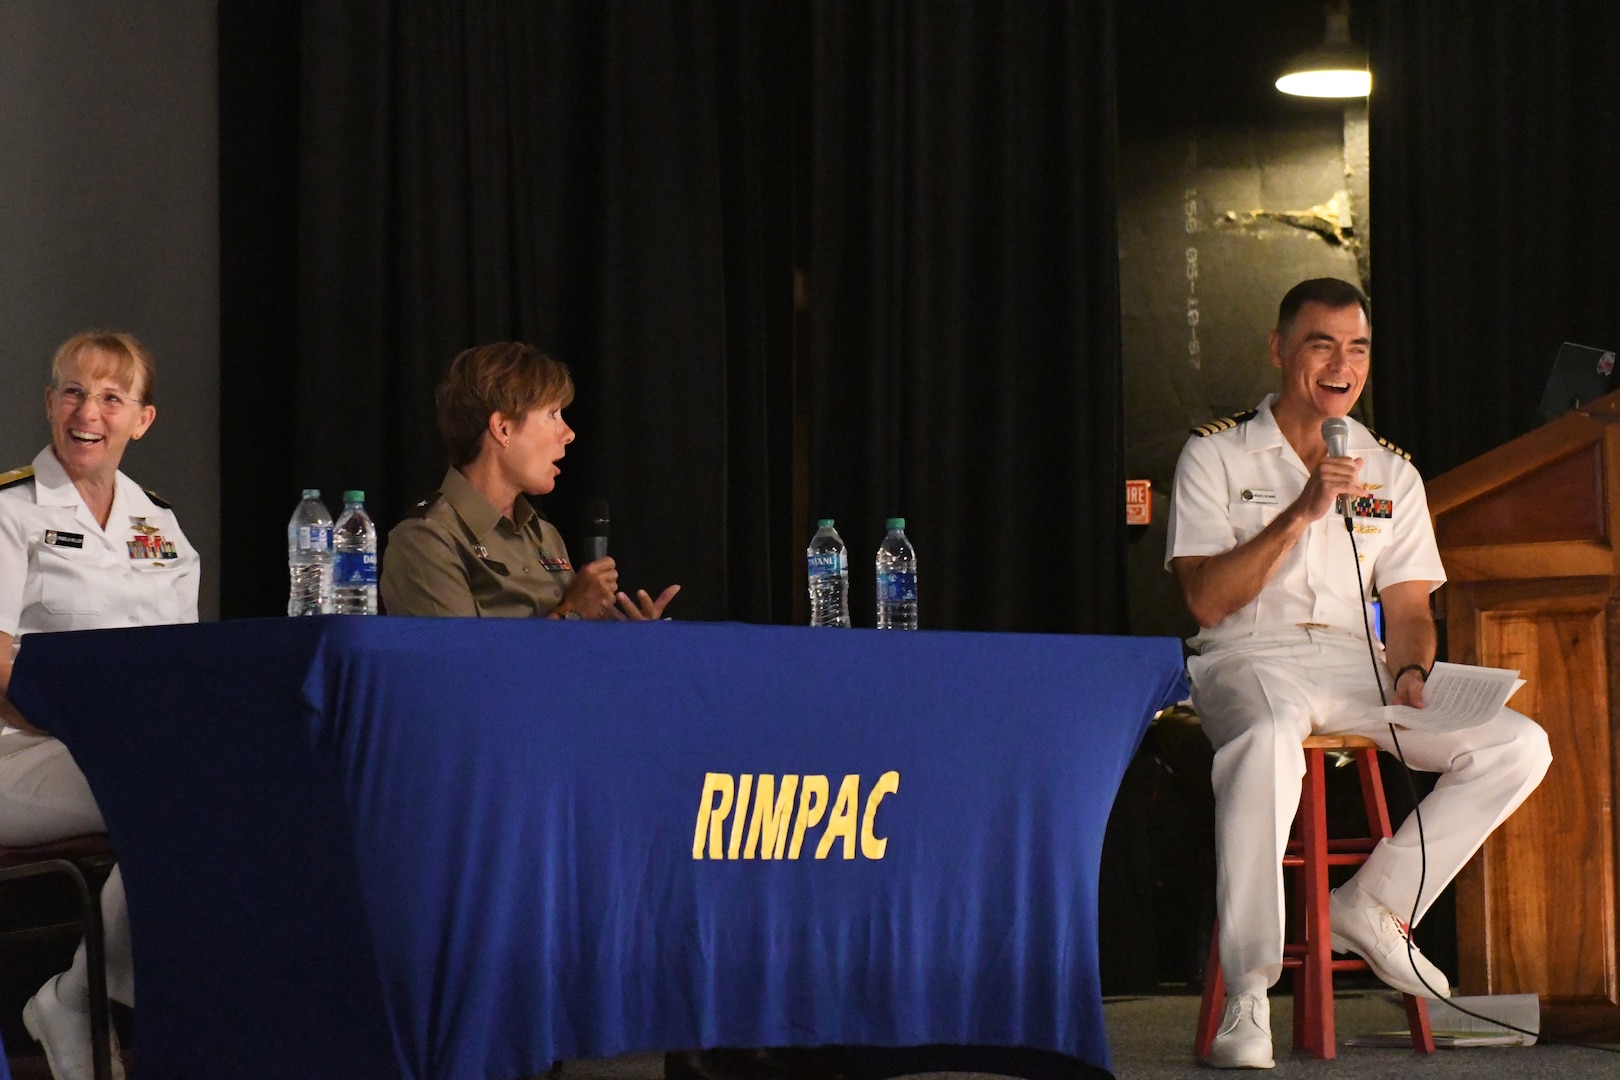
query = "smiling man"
{"x": 1268, "y": 566}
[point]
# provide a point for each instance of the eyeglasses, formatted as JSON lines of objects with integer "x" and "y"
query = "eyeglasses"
{"x": 76, "y": 396}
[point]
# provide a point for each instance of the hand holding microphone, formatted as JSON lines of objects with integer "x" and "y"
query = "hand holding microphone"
{"x": 605, "y": 576}
{"x": 1332, "y": 473}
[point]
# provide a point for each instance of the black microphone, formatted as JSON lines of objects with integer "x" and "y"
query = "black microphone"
{"x": 1336, "y": 433}
{"x": 596, "y": 528}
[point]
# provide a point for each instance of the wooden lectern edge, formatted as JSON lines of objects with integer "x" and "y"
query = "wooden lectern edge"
{"x": 1496, "y": 467}
{"x": 1545, "y": 559}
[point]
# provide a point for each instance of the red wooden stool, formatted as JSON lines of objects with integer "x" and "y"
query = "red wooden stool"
{"x": 1311, "y": 853}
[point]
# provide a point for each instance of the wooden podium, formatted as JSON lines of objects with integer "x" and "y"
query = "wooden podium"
{"x": 1530, "y": 535}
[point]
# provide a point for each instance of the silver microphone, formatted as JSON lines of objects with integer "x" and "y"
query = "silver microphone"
{"x": 1336, "y": 433}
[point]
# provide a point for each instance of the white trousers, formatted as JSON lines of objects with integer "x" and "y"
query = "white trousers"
{"x": 44, "y": 797}
{"x": 1258, "y": 699}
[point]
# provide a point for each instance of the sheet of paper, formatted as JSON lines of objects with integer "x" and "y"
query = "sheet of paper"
{"x": 1457, "y": 696}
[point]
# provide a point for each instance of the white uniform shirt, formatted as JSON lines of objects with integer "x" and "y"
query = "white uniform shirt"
{"x": 59, "y": 570}
{"x": 1230, "y": 484}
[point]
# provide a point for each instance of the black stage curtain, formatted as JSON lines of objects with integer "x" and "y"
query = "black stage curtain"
{"x": 605, "y": 180}
{"x": 964, "y": 306}
{"x": 610, "y": 181}
{"x": 258, "y": 202}
{"x": 1495, "y": 139}
{"x": 631, "y": 186}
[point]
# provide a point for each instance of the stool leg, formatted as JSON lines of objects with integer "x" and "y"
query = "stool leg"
{"x": 1372, "y": 798}
{"x": 1317, "y": 970}
{"x": 1417, "y": 1021}
{"x": 1372, "y": 793}
{"x": 1302, "y": 1008}
{"x": 1209, "y": 1010}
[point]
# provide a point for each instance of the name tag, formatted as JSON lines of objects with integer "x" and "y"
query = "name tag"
{"x": 1261, "y": 496}
{"x": 64, "y": 539}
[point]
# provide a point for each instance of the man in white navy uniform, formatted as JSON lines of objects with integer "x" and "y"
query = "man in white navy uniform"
{"x": 1267, "y": 567}
{"x": 82, "y": 547}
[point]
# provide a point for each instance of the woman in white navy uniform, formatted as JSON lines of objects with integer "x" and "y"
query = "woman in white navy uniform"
{"x": 82, "y": 546}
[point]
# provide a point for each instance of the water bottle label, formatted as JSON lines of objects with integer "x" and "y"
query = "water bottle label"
{"x": 314, "y": 538}
{"x": 355, "y": 568}
{"x": 897, "y": 585}
{"x": 826, "y": 564}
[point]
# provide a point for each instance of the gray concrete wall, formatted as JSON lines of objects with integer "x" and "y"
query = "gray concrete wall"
{"x": 109, "y": 209}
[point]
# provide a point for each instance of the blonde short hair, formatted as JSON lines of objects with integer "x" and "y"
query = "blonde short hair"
{"x": 130, "y": 364}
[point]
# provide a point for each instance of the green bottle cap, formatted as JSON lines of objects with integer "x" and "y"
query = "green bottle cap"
{"x": 354, "y": 496}
{"x": 824, "y": 523}
{"x": 897, "y": 523}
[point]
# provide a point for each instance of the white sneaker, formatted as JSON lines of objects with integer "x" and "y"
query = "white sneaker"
{"x": 1244, "y": 1041}
{"x": 1374, "y": 933}
{"x": 64, "y": 1032}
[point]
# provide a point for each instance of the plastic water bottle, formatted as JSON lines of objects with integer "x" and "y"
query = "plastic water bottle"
{"x": 309, "y": 557}
{"x": 896, "y": 580}
{"x": 354, "y": 542}
{"x": 829, "y": 577}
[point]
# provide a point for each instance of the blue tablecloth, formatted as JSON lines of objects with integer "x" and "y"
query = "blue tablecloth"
{"x": 463, "y": 849}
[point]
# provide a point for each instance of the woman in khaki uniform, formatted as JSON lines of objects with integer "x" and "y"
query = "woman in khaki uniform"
{"x": 476, "y": 547}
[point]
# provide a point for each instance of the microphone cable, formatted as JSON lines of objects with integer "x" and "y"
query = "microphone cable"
{"x": 1417, "y": 814}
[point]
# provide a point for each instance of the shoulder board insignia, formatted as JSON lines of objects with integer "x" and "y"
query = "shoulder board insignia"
{"x": 421, "y": 509}
{"x": 157, "y": 500}
{"x": 1226, "y": 423}
{"x": 1391, "y": 447}
{"x": 16, "y": 476}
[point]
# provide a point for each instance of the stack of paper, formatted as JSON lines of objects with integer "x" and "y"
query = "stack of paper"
{"x": 1457, "y": 696}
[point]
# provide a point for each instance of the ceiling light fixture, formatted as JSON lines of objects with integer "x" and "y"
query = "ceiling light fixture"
{"x": 1336, "y": 70}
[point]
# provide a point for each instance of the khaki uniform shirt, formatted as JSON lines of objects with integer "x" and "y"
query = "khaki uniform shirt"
{"x": 456, "y": 555}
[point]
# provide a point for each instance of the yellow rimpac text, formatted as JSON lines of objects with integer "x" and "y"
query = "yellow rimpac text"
{"x": 770, "y": 815}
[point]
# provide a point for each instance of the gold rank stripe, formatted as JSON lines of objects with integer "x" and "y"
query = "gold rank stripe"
{"x": 16, "y": 476}
{"x": 1226, "y": 423}
{"x": 1387, "y": 445}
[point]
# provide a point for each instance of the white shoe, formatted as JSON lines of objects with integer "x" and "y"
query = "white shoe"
{"x": 64, "y": 1032}
{"x": 1244, "y": 1041}
{"x": 1373, "y": 932}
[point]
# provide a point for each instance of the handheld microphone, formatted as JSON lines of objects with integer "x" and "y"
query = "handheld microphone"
{"x": 596, "y": 528}
{"x": 1336, "y": 433}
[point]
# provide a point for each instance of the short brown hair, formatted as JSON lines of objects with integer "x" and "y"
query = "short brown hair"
{"x": 131, "y": 366}
{"x": 507, "y": 377}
